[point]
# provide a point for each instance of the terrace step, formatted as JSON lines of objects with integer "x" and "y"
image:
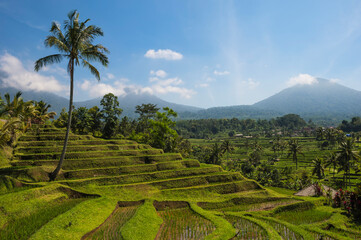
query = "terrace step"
{"x": 87, "y": 163}
{"x": 185, "y": 182}
{"x": 81, "y": 148}
{"x": 223, "y": 188}
{"x": 131, "y": 169}
{"x": 73, "y": 143}
{"x": 80, "y": 155}
{"x": 145, "y": 177}
{"x": 53, "y": 137}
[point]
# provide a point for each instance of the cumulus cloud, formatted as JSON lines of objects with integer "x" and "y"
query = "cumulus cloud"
{"x": 159, "y": 73}
{"x": 14, "y": 74}
{"x": 221, "y": 73}
{"x": 302, "y": 79}
{"x": 121, "y": 88}
{"x": 166, "y": 54}
{"x": 251, "y": 84}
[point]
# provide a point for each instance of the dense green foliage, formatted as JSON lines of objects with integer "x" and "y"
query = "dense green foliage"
{"x": 206, "y": 128}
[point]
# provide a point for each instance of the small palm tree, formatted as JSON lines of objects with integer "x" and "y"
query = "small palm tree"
{"x": 346, "y": 155}
{"x": 43, "y": 113}
{"x": 332, "y": 160}
{"x": 227, "y": 147}
{"x": 294, "y": 148}
{"x": 75, "y": 44}
{"x": 318, "y": 167}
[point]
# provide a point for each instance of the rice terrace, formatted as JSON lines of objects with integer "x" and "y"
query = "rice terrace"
{"x": 111, "y": 160}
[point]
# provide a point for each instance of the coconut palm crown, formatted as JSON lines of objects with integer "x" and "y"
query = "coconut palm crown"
{"x": 76, "y": 45}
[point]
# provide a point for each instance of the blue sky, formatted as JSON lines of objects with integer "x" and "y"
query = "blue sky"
{"x": 203, "y": 53}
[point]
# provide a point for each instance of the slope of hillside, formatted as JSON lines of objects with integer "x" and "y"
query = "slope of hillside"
{"x": 118, "y": 189}
{"x": 322, "y": 97}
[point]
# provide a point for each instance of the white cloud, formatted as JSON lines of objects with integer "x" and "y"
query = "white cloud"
{"x": 165, "y": 82}
{"x": 120, "y": 88}
{"x": 202, "y": 85}
{"x": 251, "y": 84}
{"x": 159, "y": 73}
{"x": 55, "y": 69}
{"x": 302, "y": 79}
{"x": 166, "y": 54}
{"x": 14, "y": 74}
{"x": 220, "y": 73}
{"x": 110, "y": 76}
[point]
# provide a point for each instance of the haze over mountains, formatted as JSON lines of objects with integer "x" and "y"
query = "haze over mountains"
{"x": 322, "y": 100}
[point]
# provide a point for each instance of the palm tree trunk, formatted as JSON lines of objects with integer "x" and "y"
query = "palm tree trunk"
{"x": 55, "y": 173}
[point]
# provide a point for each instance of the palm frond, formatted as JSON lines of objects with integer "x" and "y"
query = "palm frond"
{"x": 61, "y": 45}
{"x": 92, "y": 69}
{"x": 96, "y": 53}
{"x": 42, "y": 62}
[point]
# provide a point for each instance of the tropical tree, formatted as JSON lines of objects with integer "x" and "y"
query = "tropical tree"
{"x": 94, "y": 119}
{"x": 146, "y": 112}
{"x": 110, "y": 113}
{"x": 294, "y": 148}
{"x": 216, "y": 154}
{"x": 332, "y": 160}
{"x": 43, "y": 113}
{"x": 346, "y": 154}
{"x": 318, "y": 167}
{"x": 227, "y": 147}
{"x": 76, "y": 45}
{"x": 8, "y": 129}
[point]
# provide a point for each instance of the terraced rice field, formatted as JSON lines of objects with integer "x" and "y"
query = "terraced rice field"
{"x": 119, "y": 189}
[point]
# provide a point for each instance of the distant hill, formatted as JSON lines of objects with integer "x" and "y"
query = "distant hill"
{"x": 127, "y": 103}
{"x": 321, "y": 97}
{"x": 324, "y": 99}
{"x": 323, "y": 102}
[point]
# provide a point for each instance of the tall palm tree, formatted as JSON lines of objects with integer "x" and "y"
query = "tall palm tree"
{"x": 76, "y": 45}
{"x": 294, "y": 148}
{"x": 346, "y": 155}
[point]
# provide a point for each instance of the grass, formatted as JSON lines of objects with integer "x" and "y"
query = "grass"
{"x": 81, "y": 219}
{"x": 24, "y": 227}
{"x": 144, "y": 225}
{"x": 110, "y": 229}
{"x": 303, "y": 217}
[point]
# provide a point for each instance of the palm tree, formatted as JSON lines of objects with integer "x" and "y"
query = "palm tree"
{"x": 216, "y": 154}
{"x": 76, "y": 45}
{"x": 294, "y": 148}
{"x": 318, "y": 167}
{"x": 43, "y": 113}
{"x": 332, "y": 161}
{"x": 227, "y": 147}
{"x": 346, "y": 155}
{"x": 17, "y": 109}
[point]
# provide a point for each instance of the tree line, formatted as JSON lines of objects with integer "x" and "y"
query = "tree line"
{"x": 204, "y": 128}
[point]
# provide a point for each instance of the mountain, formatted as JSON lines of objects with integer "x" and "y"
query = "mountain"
{"x": 323, "y": 101}
{"x": 127, "y": 103}
{"x": 323, "y": 96}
